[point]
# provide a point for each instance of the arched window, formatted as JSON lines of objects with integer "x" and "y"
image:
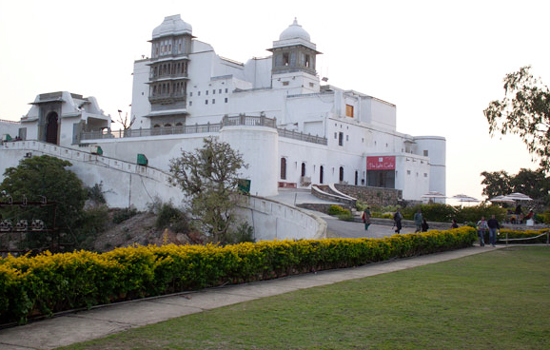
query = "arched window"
{"x": 341, "y": 173}
{"x": 167, "y": 125}
{"x": 283, "y": 168}
{"x": 321, "y": 173}
{"x": 303, "y": 169}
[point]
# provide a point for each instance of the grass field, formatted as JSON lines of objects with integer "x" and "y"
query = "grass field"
{"x": 496, "y": 300}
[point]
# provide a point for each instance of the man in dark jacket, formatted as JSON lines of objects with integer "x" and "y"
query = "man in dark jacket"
{"x": 493, "y": 227}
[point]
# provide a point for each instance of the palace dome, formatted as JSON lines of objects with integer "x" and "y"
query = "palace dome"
{"x": 294, "y": 31}
{"x": 172, "y": 25}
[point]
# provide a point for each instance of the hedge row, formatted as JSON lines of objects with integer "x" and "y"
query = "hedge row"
{"x": 49, "y": 283}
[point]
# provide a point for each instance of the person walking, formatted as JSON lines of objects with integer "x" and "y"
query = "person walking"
{"x": 418, "y": 221}
{"x": 493, "y": 225}
{"x": 425, "y": 226}
{"x": 481, "y": 229}
{"x": 366, "y": 218}
{"x": 397, "y": 217}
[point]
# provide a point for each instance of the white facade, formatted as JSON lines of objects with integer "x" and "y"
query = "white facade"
{"x": 269, "y": 109}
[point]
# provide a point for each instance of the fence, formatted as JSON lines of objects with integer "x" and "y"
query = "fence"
{"x": 239, "y": 120}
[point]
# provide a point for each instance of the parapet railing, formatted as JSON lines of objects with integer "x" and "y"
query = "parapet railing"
{"x": 240, "y": 120}
{"x": 547, "y": 234}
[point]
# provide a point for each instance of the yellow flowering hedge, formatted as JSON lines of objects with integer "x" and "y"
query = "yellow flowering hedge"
{"x": 49, "y": 283}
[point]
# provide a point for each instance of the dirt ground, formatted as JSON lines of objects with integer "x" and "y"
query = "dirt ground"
{"x": 139, "y": 229}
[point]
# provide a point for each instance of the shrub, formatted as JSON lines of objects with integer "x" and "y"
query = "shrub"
{"x": 124, "y": 214}
{"x": 173, "y": 218}
{"x": 337, "y": 210}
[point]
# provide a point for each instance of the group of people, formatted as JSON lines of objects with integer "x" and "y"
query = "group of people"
{"x": 420, "y": 222}
{"x": 483, "y": 226}
{"x": 492, "y": 226}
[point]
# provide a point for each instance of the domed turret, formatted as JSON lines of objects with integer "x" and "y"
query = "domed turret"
{"x": 294, "y": 31}
{"x": 172, "y": 25}
{"x": 294, "y": 52}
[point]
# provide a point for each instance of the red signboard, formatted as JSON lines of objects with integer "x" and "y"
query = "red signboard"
{"x": 381, "y": 163}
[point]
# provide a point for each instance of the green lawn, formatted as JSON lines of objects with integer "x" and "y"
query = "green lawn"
{"x": 496, "y": 300}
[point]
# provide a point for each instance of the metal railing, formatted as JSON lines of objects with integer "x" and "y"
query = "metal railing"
{"x": 240, "y": 120}
{"x": 302, "y": 137}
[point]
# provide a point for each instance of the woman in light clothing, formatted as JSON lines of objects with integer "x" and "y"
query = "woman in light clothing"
{"x": 481, "y": 229}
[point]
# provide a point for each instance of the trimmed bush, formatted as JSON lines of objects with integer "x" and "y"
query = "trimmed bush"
{"x": 50, "y": 283}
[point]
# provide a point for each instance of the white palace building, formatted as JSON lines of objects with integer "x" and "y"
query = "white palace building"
{"x": 292, "y": 128}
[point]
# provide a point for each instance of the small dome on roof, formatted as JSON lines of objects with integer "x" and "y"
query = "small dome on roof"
{"x": 172, "y": 25}
{"x": 294, "y": 31}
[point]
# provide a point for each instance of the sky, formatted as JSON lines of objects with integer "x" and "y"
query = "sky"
{"x": 440, "y": 62}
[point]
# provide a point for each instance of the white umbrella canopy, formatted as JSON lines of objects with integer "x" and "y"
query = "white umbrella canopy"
{"x": 519, "y": 196}
{"x": 465, "y": 198}
{"x": 433, "y": 195}
{"x": 502, "y": 199}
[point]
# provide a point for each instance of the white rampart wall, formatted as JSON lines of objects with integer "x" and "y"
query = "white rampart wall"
{"x": 273, "y": 220}
{"x": 126, "y": 184}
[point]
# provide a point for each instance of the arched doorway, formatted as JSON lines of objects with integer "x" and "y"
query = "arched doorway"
{"x": 51, "y": 128}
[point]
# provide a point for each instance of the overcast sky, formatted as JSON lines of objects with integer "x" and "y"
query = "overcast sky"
{"x": 440, "y": 62}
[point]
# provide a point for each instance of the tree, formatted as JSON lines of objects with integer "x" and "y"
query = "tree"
{"x": 126, "y": 124}
{"x": 209, "y": 177}
{"x": 44, "y": 177}
{"x": 496, "y": 183}
{"x": 525, "y": 111}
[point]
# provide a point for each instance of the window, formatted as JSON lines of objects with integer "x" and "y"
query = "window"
{"x": 206, "y": 92}
{"x": 425, "y": 174}
{"x": 191, "y": 94}
{"x": 347, "y": 137}
{"x": 286, "y": 59}
{"x": 311, "y": 85}
{"x": 341, "y": 173}
{"x": 214, "y": 92}
{"x": 205, "y": 102}
{"x": 356, "y": 177}
{"x": 285, "y": 83}
{"x": 425, "y": 153}
{"x": 213, "y": 101}
{"x": 226, "y": 100}
{"x": 349, "y": 111}
{"x": 198, "y": 93}
{"x": 283, "y": 168}
{"x": 340, "y": 139}
{"x": 408, "y": 172}
{"x": 321, "y": 174}
{"x": 220, "y": 91}
{"x": 190, "y": 103}
{"x": 335, "y": 135}
{"x": 226, "y": 90}
{"x": 303, "y": 169}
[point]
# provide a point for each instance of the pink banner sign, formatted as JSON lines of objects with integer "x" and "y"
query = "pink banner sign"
{"x": 381, "y": 163}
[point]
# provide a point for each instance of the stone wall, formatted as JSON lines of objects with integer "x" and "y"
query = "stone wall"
{"x": 374, "y": 196}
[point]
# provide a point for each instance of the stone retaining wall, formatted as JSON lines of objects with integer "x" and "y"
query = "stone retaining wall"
{"x": 374, "y": 196}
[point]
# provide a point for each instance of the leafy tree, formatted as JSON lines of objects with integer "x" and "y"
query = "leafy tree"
{"x": 525, "y": 111}
{"x": 496, "y": 183}
{"x": 533, "y": 183}
{"x": 39, "y": 177}
{"x": 209, "y": 177}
